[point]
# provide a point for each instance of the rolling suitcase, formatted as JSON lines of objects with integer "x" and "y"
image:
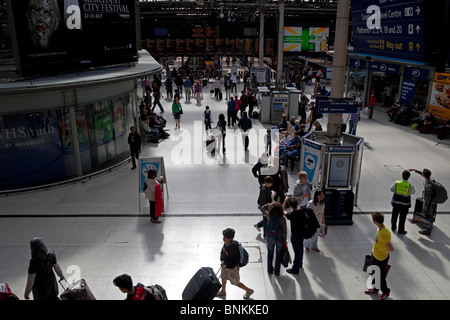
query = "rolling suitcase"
{"x": 220, "y": 95}
{"x": 76, "y": 291}
{"x": 211, "y": 144}
{"x": 204, "y": 285}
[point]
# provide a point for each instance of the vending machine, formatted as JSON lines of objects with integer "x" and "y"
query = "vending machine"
{"x": 280, "y": 106}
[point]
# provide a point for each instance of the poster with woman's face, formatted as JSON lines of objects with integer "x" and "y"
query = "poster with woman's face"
{"x": 43, "y": 20}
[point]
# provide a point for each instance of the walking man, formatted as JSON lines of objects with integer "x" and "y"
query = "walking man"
{"x": 245, "y": 123}
{"x": 134, "y": 141}
{"x": 401, "y": 201}
{"x": 429, "y": 201}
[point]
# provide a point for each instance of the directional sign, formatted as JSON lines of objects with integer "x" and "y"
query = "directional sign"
{"x": 389, "y": 28}
{"x": 337, "y": 106}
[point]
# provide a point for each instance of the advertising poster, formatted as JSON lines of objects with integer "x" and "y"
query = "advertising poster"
{"x": 312, "y": 157}
{"x": 62, "y": 35}
{"x": 440, "y": 96}
{"x": 298, "y": 39}
{"x": 31, "y": 152}
{"x": 103, "y": 123}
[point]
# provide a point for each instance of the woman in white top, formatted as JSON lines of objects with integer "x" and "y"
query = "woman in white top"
{"x": 317, "y": 205}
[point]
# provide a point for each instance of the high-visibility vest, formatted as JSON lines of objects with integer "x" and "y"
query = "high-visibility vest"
{"x": 402, "y": 192}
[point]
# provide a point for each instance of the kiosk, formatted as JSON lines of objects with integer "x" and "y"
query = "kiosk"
{"x": 335, "y": 169}
{"x": 264, "y": 101}
{"x": 280, "y": 106}
{"x": 294, "y": 97}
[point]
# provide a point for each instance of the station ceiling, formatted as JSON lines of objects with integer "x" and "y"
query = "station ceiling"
{"x": 240, "y": 11}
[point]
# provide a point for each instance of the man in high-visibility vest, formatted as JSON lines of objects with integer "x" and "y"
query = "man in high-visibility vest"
{"x": 401, "y": 201}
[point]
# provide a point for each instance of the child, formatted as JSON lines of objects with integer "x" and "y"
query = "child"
{"x": 229, "y": 261}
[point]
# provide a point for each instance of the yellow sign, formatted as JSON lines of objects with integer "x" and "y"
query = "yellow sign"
{"x": 440, "y": 96}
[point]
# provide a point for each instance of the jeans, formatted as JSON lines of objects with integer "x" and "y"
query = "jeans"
{"x": 297, "y": 246}
{"x": 274, "y": 246}
{"x": 370, "y": 111}
{"x": 352, "y": 124}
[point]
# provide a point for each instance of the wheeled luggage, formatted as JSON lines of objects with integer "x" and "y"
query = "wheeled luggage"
{"x": 220, "y": 95}
{"x": 204, "y": 285}
{"x": 211, "y": 144}
{"x": 76, "y": 291}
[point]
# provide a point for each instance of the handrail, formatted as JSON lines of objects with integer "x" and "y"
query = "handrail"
{"x": 45, "y": 186}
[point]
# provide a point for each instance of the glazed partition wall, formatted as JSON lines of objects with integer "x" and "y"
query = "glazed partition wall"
{"x": 37, "y": 147}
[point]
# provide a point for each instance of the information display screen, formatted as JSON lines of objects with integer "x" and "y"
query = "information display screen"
{"x": 339, "y": 165}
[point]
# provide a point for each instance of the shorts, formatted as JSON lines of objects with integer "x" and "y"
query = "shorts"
{"x": 231, "y": 274}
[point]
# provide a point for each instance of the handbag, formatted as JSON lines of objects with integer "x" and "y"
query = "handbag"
{"x": 323, "y": 231}
{"x": 285, "y": 256}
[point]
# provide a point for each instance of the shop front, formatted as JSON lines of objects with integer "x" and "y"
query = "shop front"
{"x": 54, "y": 129}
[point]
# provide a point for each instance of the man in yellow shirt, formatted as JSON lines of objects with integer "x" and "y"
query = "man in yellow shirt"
{"x": 380, "y": 254}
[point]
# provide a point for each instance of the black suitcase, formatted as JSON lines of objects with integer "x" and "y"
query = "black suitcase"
{"x": 76, "y": 291}
{"x": 204, "y": 285}
{"x": 211, "y": 145}
{"x": 220, "y": 95}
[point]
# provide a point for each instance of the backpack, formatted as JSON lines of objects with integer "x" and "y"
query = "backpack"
{"x": 243, "y": 256}
{"x": 311, "y": 223}
{"x": 155, "y": 292}
{"x": 440, "y": 193}
{"x": 274, "y": 228}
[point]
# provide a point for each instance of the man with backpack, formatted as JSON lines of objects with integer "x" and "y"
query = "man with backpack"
{"x": 139, "y": 292}
{"x": 303, "y": 226}
{"x": 433, "y": 193}
{"x": 230, "y": 259}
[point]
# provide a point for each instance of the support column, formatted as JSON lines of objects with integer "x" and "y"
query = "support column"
{"x": 339, "y": 66}
{"x": 261, "y": 36}
{"x": 280, "y": 62}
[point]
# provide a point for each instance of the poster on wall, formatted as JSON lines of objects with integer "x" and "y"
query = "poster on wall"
{"x": 62, "y": 35}
{"x": 104, "y": 129}
{"x": 440, "y": 96}
{"x": 31, "y": 151}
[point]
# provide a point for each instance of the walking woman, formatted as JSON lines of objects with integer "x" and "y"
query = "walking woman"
{"x": 177, "y": 111}
{"x": 41, "y": 278}
{"x": 317, "y": 205}
{"x": 276, "y": 237}
{"x": 221, "y": 131}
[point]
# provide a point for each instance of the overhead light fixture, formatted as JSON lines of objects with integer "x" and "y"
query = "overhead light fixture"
{"x": 221, "y": 13}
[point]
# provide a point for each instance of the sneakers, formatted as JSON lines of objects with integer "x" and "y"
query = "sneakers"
{"x": 221, "y": 294}
{"x": 256, "y": 227}
{"x": 371, "y": 291}
{"x": 292, "y": 271}
{"x": 248, "y": 294}
{"x": 384, "y": 296}
{"x": 155, "y": 221}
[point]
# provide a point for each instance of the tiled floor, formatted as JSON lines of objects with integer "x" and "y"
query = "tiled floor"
{"x": 96, "y": 231}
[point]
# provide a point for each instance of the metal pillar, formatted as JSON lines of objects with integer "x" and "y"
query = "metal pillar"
{"x": 280, "y": 43}
{"x": 339, "y": 66}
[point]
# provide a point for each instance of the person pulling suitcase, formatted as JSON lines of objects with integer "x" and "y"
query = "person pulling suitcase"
{"x": 229, "y": 259}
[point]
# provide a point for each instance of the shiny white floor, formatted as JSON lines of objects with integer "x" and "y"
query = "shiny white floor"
{"x": 94, "y": 227}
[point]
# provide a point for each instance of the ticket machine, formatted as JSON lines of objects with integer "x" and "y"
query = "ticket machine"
{"x": 280, "y": 106}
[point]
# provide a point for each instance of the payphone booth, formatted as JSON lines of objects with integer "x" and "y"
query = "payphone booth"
{"x": 335, "y": 169}
{"x": 280, "y": 106}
